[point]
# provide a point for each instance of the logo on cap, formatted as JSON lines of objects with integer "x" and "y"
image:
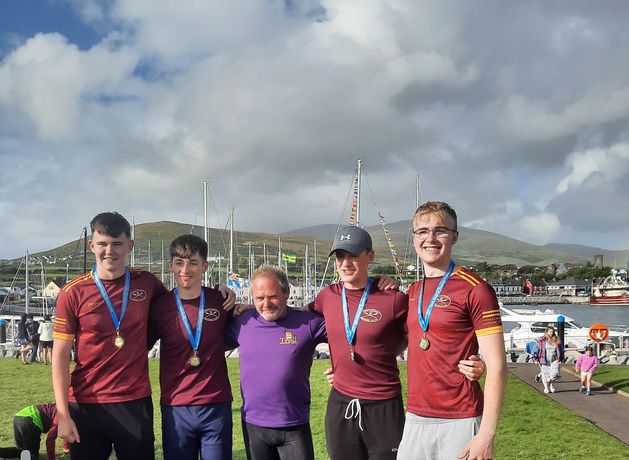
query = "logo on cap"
{"x": 345, "y": 237}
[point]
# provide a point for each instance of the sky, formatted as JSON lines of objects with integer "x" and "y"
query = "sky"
{"x": 516, "y": 113}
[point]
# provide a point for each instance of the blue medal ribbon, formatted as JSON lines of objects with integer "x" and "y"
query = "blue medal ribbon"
{"x": 193, "y": 338}
{"x": 107, "y": 299}
{"x": 423, "y": 321}
{"x": 350, "y": 332}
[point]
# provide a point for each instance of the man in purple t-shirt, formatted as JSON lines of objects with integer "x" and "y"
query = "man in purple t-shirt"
{"x": 276, "y": 348}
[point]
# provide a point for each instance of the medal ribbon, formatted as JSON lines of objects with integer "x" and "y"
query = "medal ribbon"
{"x": 107, "y": 299}
{"x": 195, "y": 338}
{"x": 423, "y": 321}
{"x": 350, "y": 332}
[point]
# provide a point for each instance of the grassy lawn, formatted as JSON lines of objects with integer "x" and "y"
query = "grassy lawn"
{"x": 616, "y": 377}
{"x": 531, "y": 425}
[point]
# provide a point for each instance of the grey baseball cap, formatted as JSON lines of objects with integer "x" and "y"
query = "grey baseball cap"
{"x": 352, "y": 239}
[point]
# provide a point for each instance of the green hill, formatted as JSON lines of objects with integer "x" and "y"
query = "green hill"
{"x": 474, "y": 246}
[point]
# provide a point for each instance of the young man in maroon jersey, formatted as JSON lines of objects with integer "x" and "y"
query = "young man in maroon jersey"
{"x": 195, "y": 392}
{"x": 459, "y": 315}
{"x": 107, "y": 399}
{"x": 365, "y": 413}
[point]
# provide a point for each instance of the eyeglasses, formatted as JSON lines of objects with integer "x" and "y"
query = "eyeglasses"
{"x": 439, "y": 232}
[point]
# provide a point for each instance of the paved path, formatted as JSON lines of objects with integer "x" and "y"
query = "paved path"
{"x": 605, "y": 409}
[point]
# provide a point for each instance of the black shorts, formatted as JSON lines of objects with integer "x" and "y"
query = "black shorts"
{"x": 45, "y": 344}
{"x": 382, "y": 424}
{"x": 127, "y": 426}
{"x": 289, "y": 443}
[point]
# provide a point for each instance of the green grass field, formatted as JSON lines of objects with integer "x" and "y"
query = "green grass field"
{"x": 531, "y": 426}
{"x": 616, "y": 377}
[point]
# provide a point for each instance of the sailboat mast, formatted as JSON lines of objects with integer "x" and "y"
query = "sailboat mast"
{"x": 306, "y": 277}
{"x": 150, "y": 260}
{"x": 26, "y": 282}
{"x": 84, "y": 249}
{"x": 418, "y": 198}
{"x": 162, "y": 277}
{"x": 231, "y": 242}
{"x": 314, "y": 271}
{"x": 205, "y": 231}
{"x": 133, "y": 238}
{"x": 359, "y": 172}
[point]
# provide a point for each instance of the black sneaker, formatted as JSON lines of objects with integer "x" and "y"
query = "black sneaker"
{"x": 537, "y": 378}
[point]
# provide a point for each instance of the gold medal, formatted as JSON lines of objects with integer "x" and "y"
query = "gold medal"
{"x": 118, "y": 341}
{"x": 424, "y": 344}
{"x": 195, "y": 360}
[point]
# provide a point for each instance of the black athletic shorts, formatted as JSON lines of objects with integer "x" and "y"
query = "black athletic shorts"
{"x": 289, "y": 443}
{"x": 382, "y": 424}
{"x": 127, "y": 426}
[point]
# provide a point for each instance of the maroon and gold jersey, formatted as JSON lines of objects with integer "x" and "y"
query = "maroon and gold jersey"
{"x": 182, "y": 384}
{"x": 466, "y": 309}
{"x": 103, "y": 372}
{"x": 374, "y": 373}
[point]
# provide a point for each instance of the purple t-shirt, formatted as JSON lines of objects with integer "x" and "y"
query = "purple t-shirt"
{"x": 275, "y": 362}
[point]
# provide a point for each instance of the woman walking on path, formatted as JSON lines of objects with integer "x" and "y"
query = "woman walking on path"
{"x": 548, "y": 355}
{"x": 586, "y": 364}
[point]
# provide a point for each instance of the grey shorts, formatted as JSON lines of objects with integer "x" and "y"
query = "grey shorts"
{"x": 427, "y": 438}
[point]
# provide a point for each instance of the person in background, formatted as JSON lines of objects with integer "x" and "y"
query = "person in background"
{"x": 23, "y": 339}
{"x": 32, "y": 327}
{"x": 28, "y": 426}
{"x": 45, "y": 339}
{"x": 548, "y": 356}
{"x": 586, "y": 364}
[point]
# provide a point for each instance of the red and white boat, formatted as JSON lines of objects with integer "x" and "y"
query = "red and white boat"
{"x": 613, "y": 290}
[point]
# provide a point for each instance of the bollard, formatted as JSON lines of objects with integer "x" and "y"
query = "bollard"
{"x": 561, "y": 328}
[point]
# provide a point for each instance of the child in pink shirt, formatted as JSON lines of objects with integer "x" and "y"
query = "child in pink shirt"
{"x": 587, "y": 364}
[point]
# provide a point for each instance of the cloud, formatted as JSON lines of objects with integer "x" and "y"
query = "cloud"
{"x": 52, "y": 83}
{"x": 516, "y": 115}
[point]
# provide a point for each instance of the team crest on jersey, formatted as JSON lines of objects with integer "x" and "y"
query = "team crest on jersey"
{"x": 443, "y": 301}
{"x": 211, "y": 314}
{"x": 288, "y": 339}
{"x": 371, "y": 315}
{"x": 138, "y": 295}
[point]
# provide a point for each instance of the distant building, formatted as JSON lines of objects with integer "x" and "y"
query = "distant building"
{"x": 561, "y": 269}
{"x": 570, "y": 286}
{"x": 598, "y": 261}
{"x": 51, "y": 290}
{"x": 506, "y": 288}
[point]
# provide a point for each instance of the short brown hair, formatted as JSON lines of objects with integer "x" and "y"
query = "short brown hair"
{"x": 275, "y": 272}
{"x": 185, "y": 246}
{"x": 111, "y": 224}
{"x": 441, "y": 208}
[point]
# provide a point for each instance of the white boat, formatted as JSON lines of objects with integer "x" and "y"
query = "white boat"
{"x": 523, "y": 326}
{"x": 613, "y": 290}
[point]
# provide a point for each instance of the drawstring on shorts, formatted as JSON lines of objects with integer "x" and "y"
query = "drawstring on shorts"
{"x": 353, "y": 410}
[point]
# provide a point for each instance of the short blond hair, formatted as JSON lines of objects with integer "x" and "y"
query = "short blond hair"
{"x": 441, "y": 208}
